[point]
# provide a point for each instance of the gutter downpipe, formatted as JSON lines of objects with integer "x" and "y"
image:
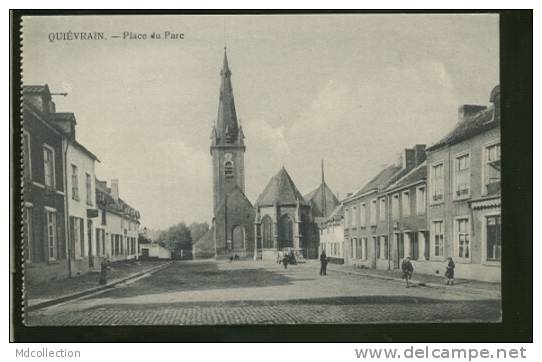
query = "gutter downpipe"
{"x": 66, "y": 208}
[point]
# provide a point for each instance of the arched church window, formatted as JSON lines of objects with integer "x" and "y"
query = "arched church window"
{"x": 228, "y": 169}
{"x": 267, "y": 232}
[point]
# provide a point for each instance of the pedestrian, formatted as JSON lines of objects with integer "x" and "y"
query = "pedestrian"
{"x": 408, "y": 269}
{"x": 323, "y": 263}
{"x": 450, "y": 272}
{"x": 103, "y": 272}
{"x": 285, "y": 260}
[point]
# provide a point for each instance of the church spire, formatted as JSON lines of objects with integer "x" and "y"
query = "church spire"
{"x": 324, "y": 198}
{"x": 226, "y": 123}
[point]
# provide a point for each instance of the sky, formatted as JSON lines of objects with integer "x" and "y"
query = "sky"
{"x": 353, "y": 90}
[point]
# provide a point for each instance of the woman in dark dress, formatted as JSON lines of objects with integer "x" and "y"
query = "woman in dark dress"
{"x": 450, "y": 272}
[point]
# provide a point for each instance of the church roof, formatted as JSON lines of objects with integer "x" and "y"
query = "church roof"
{"x": 316, "y": 198}
{"x": 227, "y": 127}
{"x": 280, "y": 190}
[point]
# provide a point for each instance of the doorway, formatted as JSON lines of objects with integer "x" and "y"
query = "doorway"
{"x": 89, "y": 238}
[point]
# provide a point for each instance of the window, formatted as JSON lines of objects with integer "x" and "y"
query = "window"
{"x": 348, "y": 218}
{"x": 228, "y": 169}
{"x": 49, "y": 166}
{"x": 406, "y": 203}
{"x": 112, "y": 249}
{"x": 363, "y": 215}
{"x": 493, "y": 238}
{"x": 28, "y": 227}
{"x": 382, "y": 210}
{"x": 384, "y": 247}
{"x": 88, "y": 183}
{"x": 399, "y": 242}
{"x": 413, "y": 245}
{"x": 395, "y": 206}
{"x": 355, "y": 216}
{"x": 78, "y": 235}
{"x": 373, "y": 212}
{"x": 26, "y": 154}
{"x": 75, "y": 183}
{"x": 492, "y": 169}
{"x": 363, "y": 249}
{"x": 437, "y": 181}
{"x": 104, "y": 217}
{"x": 420, "y": 200}
{"x": 438, "y": 238}
{"x": 462, "y": 238}
{"x": 51, "y": 234}
{"x": 462, "y": 176}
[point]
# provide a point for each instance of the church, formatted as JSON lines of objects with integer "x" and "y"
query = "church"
{"x": 281, "y": 218}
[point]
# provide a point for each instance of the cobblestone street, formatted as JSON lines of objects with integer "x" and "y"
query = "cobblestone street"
{"x": 248, "y": 292}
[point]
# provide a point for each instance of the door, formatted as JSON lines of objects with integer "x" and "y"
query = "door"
{"x": 89, "y": 238}
{"x": 238, "y": 237}
{"x": 145, "y": 253}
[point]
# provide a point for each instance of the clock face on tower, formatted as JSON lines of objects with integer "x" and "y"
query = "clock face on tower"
{"x": 228, "y": 156}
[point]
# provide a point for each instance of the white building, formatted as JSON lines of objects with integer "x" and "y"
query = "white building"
{"x": 332, "y": 236}
{"x": 80, "y": 198}
{"x": 117, "y": 228}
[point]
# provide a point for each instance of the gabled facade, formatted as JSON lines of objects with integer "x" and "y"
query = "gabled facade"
{"x": 284, "y": 219}
{"x": 464, "y": 216}
{"x": 44, "y": 145}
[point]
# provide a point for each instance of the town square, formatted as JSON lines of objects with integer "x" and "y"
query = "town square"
{"x": 327, "y": 177}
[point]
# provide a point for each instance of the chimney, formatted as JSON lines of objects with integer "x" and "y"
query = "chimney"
{"x": 408, "y": 159}
{"x": 115, "y": 189}
{"x": 419, "y": 154}
{"x": 495, "y": 98}
{"x": 52, "y": 107}
{"x": 467, "y": 110}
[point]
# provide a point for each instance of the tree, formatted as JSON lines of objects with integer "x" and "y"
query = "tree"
{"x": 178, "y": 237}
{"x": 197, "y": 230}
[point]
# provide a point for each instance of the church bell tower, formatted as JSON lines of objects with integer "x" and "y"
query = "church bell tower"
{"x": 227, "y": 143}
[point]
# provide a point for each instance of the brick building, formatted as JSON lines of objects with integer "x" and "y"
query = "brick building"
{"x": 407, "y": 215}
{"x": 367, "y": 215}
{"x": 464, "y": 194}
{"x": 44, "y": 146}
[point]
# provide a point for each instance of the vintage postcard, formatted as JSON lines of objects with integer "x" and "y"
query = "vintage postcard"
{"x": 207, "y": 170}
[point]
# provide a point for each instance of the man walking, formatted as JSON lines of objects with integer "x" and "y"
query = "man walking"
{"x": 408, "y": 269}
{"x": 323, "y": 263}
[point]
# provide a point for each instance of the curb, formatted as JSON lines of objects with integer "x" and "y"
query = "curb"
{"x": 417, "y": 283}
{"x": 111, "y": 284}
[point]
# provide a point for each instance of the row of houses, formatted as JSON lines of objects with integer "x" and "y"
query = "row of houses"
{"x": 71, "y": 220}
{"x": 438, "y": 202}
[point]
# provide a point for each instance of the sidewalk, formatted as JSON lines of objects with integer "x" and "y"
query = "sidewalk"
{"x": 44, "y": 294}
{"x": 418, "y": 278}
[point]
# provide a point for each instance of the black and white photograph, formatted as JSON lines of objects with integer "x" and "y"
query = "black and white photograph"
{"x": 260, "y": 169}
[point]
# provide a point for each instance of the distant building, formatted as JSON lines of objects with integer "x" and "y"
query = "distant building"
{"x": 117, "y": 229}
{"x": 322, "y": 200}
{"x": 332, "y": 236}
{"x": 464, "y": 199}
{"x": 284, "y": 219}
{"x": 44, "y": 145}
